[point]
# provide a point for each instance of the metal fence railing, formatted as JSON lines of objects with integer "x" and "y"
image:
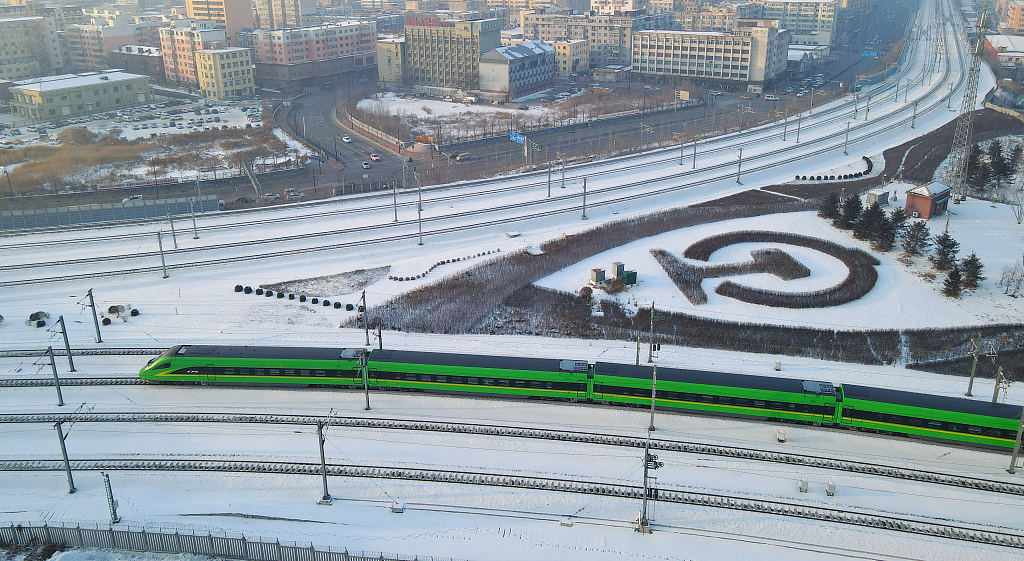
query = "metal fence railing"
{"x": 228, "y": 546}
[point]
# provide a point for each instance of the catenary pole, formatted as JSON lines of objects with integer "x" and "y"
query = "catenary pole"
{"x": 67, "y": 346}
{"x": 56, "y": 379}
{"x": 95, "y": 318}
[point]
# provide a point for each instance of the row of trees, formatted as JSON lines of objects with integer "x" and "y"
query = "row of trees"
{"x": 883, "y": 230}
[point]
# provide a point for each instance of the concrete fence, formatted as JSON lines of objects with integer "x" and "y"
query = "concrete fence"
{"x": 226, "y": 546}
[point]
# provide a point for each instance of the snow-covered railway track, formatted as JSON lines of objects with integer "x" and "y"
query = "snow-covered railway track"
{"x": 27, "y": 353}
{"x": 847, "y": 516}
{"x": 601, "y": 439}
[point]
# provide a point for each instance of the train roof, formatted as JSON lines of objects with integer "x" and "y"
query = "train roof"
{"x": 946, "y": 403}
{"x": 792, "y": 385}
{"x": 473, "y": 361}
{"x": 282, "y": 353}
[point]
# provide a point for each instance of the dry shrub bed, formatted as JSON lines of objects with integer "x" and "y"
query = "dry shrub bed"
{"x": 331, "y": 285}
{"x": 460, "y": 302}
{"x": 79, "y": 151}
{"x": 858, "y": 282}
{"x": 687, "y": 278}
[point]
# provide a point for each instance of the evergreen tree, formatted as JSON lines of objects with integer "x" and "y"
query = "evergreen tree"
{"x": 851, "y": 212}
{"x": 973, "y": 161}
{"x": 898, "y": 219}
{"x": 945, "y": 252}
{"x": 971, "y": 268}
{"x": 1015, "y": 158}
{"x": 997, "y": 160}
{"x": 870, "y": 223}
{"x": 829, "y": 206}
{"x": 885, "y": 239}
{"x": 951, "y": 286}
{"x": 917, "y": 238}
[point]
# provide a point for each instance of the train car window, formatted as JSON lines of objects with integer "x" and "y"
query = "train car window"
{"x": 503, "y": 383}
{"x": 974, "y": 430}
{"x": 934, "y": 424}
{"x": 288, "y": 372}
{"x": 758, "y": 403}
{"x": 520, "y": 383}
{"x": 304, "y": 372}
{"x": 549, "y": 385}
{"x": 245, "y": 372}
{"x": 260, "y": 372}
{"x": 456, "y": 379}
{"x": 776, "y": 405}
{"x": 442, "y": 379}
{"x": 741, "y": 402}
{"x": 691, "y": 397}
{"x": 229, "y": 371}
{"x": 192, "y": 371}
{"x": 488, "y": 382}
{"x": 410, "y": 377}
{"x": 183, "y": 349}
{"x": 536, "y": 385}
{"x": 275, "y": 372}
{"x": 317, "y": 372}
{"x": 725, "y": 401}
{"x": 472, "y": 381}
{"x": 424, "y": 377}
{"x": 953, "y": 428}
{"x": 708, "y": 398}
{"x": 792, "y": 407}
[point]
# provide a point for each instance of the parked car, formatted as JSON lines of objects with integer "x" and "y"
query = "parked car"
{"x": 366, "y": 165}
{"x": 375, "y": 157}
{"x": 271, "y": 196}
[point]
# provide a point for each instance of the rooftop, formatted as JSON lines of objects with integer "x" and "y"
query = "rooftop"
{"x": 65, "y": 81}
{"x": 523, "y": 50}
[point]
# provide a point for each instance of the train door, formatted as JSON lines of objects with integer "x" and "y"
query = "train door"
{"x": 837, "y": 416}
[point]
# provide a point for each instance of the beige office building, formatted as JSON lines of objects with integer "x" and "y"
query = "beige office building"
{"x": 610, "y": 37}
{"x": 756, "y": 53}
{"x": 225, "y": 73}
{"x": 810, "y": 22}
{"x": 448, "y": 55}
{"x": 571, "y": 57}
{"x": 232, "y": 15}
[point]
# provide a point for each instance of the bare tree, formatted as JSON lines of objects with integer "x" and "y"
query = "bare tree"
{"x": 1016, "y": 202}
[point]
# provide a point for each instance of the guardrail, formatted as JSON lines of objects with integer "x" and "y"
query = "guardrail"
{"x": 228, "y": 546}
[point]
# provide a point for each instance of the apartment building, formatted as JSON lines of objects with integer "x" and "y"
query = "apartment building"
{"x": 517, "y": 70}
{"x": 69, "y": 95}
{"x": 612, "y": 7}
{"x": 29, "y": 47}
{"x": 390, "y": 52}
{"x": 226, "y": 73}
{"x": 290, "y": 59}
{"x": 722, "y": 17}
{"x": 448, "y": 54}
{"x": 283, "y": 14}
{"x": 571, "y": 57}
{"x": 1011, "y": 16}
{"x": 810, "y": 22}
{"x": 757, "y": 52}
{"x": 179, "y": 43}
{"x": 232, "y": 15}
{"x": 139, "y": 59}
{"x": 610, "y": 37}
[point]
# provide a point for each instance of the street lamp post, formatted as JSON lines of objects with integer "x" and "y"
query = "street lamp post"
{"x": 813, "y": 91}
{"x": 4, "y": 169}
{"x": 679, "y": 136}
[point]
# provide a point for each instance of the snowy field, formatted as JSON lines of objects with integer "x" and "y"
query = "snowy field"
{"x": 197, "y": 304}
{"x": 903, "y": 297}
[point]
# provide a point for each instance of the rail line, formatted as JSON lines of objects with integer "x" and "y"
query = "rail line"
{"x": 601, "y": 439}
{"x": 846, "y": 515}
{"x": 756, "y": 131}
{"x": 26, "y": 353}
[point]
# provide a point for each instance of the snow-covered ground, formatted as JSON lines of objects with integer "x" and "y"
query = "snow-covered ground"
{"x": 198, "y": 305}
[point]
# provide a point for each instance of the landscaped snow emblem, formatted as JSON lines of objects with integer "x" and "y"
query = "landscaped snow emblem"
{"x": 859, "y": 281}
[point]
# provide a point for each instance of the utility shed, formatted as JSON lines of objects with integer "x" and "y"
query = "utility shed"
{"x": 880, "y": 196}
{"x": 927, "y": 201}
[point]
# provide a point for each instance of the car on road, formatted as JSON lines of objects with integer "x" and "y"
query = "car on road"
{"x": 771, "y": 97}
{"x": 271, "y": 196}
{"x": 346, "y": 139}
{"x": 463, "y": 156}
{"x": 366, "y": 165}
{"x": 375, "y": 157}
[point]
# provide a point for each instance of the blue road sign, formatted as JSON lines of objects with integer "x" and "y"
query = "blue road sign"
{"x": 872, "y": 54}
{"x": 516, "y": 137}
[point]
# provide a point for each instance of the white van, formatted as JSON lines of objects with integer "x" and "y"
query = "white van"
{"x": 771, "y": 97}
{"x": 463, "y": 156}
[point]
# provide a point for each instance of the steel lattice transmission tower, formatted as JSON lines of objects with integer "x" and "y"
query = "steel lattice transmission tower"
{"x": 956, "y": 172}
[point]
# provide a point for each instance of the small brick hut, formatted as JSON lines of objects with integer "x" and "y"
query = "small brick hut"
{"x": 927, "y": 201}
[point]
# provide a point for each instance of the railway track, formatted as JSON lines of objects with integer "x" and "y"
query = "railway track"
{"x": 27, "y": 353}
{"x": 600, "y": 439}
{"x": 847, "y": 516}
{"x": 838, "y": 112}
